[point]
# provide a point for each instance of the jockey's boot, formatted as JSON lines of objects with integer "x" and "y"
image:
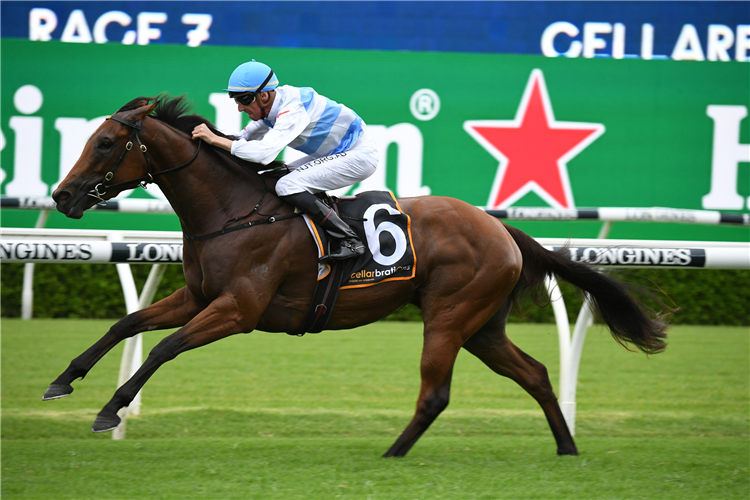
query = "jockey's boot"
{"x": 349, "y": 243}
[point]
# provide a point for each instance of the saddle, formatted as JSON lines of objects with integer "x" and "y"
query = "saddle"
{"x": 379, "y": 222}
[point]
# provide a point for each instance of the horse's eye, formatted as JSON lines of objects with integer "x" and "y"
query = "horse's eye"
{"x": 105, "y": 144}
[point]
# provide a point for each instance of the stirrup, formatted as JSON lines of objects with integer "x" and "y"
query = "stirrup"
{"x": 348, "y": 248}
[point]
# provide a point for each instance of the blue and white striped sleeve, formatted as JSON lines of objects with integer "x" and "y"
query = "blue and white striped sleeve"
{"x": 289, "y": 124}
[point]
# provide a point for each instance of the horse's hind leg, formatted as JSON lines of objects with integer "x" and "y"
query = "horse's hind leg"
{"x": 438, "y": 357}
{"x": 492, "y": 346}
{"x": 173, "y": 311}
{"x": 449, "y": 321}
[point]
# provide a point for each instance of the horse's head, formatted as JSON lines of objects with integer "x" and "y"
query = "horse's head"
{"x": 105, "y": 161}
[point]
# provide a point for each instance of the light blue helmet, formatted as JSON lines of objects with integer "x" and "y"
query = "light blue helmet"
{"x": 252, "y": 76}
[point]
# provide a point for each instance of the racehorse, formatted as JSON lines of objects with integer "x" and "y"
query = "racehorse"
{"x": 471, "y": 269}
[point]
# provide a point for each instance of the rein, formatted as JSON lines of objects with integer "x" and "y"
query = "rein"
{"x": 149, "y": 179}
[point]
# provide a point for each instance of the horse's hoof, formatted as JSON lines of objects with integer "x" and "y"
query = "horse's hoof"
{"x": 57, "y": 391}
{"x": 105, "y": 423}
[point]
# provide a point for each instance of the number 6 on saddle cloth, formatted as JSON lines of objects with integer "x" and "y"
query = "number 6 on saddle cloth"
{"x": 378, "y": 220}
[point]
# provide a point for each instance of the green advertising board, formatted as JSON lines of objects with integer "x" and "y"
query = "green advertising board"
{"x": 493, "y": 130}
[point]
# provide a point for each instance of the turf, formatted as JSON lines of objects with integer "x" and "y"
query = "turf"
{"x": 271, "y": 416}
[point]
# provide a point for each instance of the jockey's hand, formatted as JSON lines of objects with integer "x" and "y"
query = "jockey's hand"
{"x": 203, "y": 132}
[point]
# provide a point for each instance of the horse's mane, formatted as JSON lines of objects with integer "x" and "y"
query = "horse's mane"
{"x": 175, "y": 112}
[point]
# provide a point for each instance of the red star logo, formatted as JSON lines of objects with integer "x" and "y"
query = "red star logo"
{"x": 533, "y": 149}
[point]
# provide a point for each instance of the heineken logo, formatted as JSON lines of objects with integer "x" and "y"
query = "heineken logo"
{"x": 533, "y": 149}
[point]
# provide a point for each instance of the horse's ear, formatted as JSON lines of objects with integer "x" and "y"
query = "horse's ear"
{"x": 156, "y": 100}
{"x": 152, "y": 107}
{"x": 144, "y": 109}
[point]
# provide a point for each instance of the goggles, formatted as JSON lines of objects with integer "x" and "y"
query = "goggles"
{"x": 245, "y": 99}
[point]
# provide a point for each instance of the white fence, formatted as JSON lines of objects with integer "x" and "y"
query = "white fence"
{"x": 607, "y": 215}
{"x": 160, "y": 248}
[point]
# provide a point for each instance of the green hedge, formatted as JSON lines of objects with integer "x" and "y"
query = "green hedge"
{"x": 706, "y": 297}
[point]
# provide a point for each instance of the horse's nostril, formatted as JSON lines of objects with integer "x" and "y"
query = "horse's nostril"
{"x": 60, "y": 195}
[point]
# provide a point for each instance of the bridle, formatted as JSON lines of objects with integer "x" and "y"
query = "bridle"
{"x": 149, "y": 178}
{"x": 140, "y": 181}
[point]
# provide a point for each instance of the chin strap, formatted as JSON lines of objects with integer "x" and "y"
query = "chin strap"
{"x": 263, "y": 114}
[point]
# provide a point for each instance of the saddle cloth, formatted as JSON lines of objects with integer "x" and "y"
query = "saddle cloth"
{"x": 386, "y": 231}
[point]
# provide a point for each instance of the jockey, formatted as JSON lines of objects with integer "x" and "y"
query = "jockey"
{"x": 338, "y": 150}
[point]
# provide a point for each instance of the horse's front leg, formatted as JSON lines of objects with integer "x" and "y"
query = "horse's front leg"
{"x": 170, "y": 312}
{"x": 222, "y": 318}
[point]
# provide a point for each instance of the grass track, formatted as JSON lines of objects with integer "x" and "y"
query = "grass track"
{"x": 271, "y": 416}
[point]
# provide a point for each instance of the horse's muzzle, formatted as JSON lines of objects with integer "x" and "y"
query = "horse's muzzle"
{"x": 66, "y": 204}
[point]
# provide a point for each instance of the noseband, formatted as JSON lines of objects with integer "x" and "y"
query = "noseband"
{"x": 140, "y": 181}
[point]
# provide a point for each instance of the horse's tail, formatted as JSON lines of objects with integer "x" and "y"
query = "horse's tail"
{"x": 628, "y": 319}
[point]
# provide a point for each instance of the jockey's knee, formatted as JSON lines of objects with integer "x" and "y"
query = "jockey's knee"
{"x": 286, "y": 187}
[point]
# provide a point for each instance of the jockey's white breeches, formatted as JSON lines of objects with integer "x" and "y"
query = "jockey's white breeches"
{"x": 331, "y": 172}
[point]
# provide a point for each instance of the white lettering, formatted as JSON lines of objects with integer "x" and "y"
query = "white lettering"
{"x": 618, "y": 41}
{"x": 647, "y": 41}
{"x": 683, "y": 254}
{"x": 45, "y": 251}
{"x": 688, "y": 46}
{"x": 548, "y": 40}
{"x": 76, "y": 29}
{"x": 590, "y": 41}
{"x": 720, "y": 40}
{"x": 42, "y": 22}
{"x": 113, "y": 16}
{"x": 228, "y": 120}
{"x": 133, "y": 252}
{"x": 152, "y": 252}
{"x": 129, "y": 37}
{"x": 638, "y": 256}
{"x": 590, "y": 255}
{"x": 27, "y": 162}
{"x": 609, "y": 256}
{"x": 200, "y": 34}
{"x": 625, "y": 256}
{"x": 727, "y": 154}
{"x": 651, "y": 256}
{"x": 668, "y": 257}
{"x": 742, "y": 43}
{"x": 145, "y": 32}
{"x": 173, "y": 252}
{"x": 408, "y": 139}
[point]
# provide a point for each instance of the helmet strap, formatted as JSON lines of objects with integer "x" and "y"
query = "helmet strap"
{"x": 260, "y": 89}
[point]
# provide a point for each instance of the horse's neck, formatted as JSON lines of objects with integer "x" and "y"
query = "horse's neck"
{"x": 209, "y": 192}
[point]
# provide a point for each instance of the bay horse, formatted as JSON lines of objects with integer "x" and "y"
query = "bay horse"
{"x": 470, "y": 269}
